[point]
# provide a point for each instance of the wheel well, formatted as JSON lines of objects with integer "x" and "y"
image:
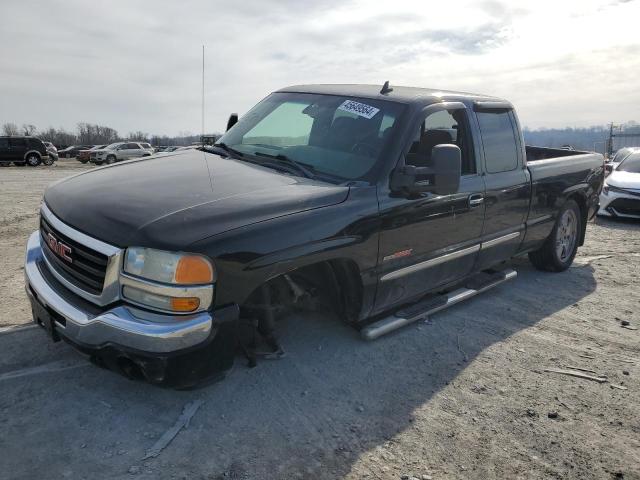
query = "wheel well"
{"x": 579, "y": 199}
{"x": 336, "y": 283}
{"x": 31, "y": 152}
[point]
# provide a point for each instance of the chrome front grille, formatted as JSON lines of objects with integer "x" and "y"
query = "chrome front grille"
{"x": 86, "y": 269}
{"x": 85, "y": 265}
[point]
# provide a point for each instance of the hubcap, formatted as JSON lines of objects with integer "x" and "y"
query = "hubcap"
{"x": 32, "y": 160}
{"x": 566, "y": 235}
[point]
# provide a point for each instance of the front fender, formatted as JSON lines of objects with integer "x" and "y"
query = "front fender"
{"x": 247, "y": 257}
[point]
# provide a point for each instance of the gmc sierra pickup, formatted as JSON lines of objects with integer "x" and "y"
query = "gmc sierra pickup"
{"x": 386, "y": 204}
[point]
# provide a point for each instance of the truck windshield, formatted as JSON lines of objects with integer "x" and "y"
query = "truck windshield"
{"x": 332, "y": 136}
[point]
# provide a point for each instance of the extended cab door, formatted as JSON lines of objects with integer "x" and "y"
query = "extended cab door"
{"x": 428, "y": 240}
{"x": 507, "y": 182}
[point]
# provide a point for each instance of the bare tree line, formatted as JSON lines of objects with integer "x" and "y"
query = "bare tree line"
{"x": 591, "y": 138}
{"x": 94, "y": 134}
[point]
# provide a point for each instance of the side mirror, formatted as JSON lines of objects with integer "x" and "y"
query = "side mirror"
{"x": 233, "y": 119}
{"x": 442, "y": 177}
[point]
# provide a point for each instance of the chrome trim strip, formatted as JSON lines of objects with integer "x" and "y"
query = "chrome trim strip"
{"x": 203, "y": 292}
{"x": 499, "y": 240}
{"x": 123, "y": 325}
{"x": 538, "y": 220}
{"x": 429, "y": 263}
{"x": 111, "y": 289}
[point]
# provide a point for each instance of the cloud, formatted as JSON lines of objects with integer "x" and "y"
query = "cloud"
{"x": 136, "y": 65}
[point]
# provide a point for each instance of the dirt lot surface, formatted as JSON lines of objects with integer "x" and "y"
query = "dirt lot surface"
{"x": 465, "y": 395}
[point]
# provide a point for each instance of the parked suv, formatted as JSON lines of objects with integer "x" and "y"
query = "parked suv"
{"x": 23, "y": 151}
{"x": 119, "y": 151}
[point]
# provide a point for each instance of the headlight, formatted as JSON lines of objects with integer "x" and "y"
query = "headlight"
{"x": 168, "y": 267}
{"x": 168, "y": 281}
{"x": 605, "y": 189}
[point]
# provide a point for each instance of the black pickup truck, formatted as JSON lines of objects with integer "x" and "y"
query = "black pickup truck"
{"x": 387, "y": 204}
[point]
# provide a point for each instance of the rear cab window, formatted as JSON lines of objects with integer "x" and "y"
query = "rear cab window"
{"x": 499, "y": 140}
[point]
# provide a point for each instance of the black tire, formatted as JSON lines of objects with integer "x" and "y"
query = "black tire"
{"x": 560, "y": 248}
{"x": 98, "y": 163}
{"x": 83, "y": 161}
{"x": 33, "y": 160}
{"x": 110, "y": 159}
{"x": 48, "y": 161}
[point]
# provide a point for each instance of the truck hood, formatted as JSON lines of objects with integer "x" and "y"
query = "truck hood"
{"x": 172, "y": 201}
{"x": 622, "y": 179}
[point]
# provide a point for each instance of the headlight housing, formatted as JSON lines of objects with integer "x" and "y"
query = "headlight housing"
{"x": 605, "y": 189}
{"x": 167, "y": 281}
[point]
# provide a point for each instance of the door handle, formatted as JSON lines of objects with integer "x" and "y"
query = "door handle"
{"x": 476, "y": 200}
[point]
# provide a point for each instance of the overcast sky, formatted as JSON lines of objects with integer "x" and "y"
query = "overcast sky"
{"x": 136, "y": 65}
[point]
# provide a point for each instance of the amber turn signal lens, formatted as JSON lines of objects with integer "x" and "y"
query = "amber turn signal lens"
{"x": 187, "y": 304}
{"x": 193, "y": 269}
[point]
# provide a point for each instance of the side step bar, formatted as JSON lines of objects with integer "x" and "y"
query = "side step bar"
{"x": 424, "y": 308}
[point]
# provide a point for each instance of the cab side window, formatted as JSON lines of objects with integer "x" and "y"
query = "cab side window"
{"x": 442, "y": 127}
{"x": 499, "y": 141}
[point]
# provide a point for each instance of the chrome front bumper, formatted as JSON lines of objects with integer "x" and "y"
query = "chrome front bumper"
{"x": 121, "y": 325}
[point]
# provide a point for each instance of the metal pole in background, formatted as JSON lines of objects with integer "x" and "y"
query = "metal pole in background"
{"x": 202, "y": 126}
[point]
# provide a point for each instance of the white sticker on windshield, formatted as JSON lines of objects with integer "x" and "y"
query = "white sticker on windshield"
{"x": 360, "y": 109}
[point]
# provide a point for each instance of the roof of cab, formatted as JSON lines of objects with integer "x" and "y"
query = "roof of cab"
{"x": 409, "y": 95}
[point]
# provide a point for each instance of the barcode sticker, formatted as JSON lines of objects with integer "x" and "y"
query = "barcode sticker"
{"x": 360, "y": 109}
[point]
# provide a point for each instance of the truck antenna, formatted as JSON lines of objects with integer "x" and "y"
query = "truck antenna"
{"x": 386, "y": 88}
{"x": 202, "y": 125}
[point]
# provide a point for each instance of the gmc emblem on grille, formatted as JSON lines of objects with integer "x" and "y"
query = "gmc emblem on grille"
{"x": 59, "y": 248}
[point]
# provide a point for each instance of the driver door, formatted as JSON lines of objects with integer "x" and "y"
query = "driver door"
{"x": 428, "y": 240}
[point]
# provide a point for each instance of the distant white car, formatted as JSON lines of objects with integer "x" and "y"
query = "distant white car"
{"x": 117, "y": 152}
{"x": 620, "y": 195}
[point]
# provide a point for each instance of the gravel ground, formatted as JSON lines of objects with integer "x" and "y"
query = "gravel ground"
{"x": 465, "y": 395}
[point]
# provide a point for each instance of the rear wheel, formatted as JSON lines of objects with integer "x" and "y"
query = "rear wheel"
{"x": 560, "y": 248}
{"x": 33, "y": 160}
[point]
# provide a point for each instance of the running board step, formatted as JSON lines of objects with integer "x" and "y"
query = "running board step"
{"x": 431, "y": 305}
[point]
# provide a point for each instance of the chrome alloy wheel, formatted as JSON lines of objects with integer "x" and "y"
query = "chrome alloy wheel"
{"x": 566, "y": 235}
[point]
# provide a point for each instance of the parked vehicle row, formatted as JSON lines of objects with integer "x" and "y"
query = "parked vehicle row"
{"x": 25, "y": 150}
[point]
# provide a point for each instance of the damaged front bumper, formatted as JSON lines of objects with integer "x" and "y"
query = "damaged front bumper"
{"x": 178, "y": 351}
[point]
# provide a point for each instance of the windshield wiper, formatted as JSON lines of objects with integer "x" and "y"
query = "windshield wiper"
{"x": 232, "y": 152}
{"x": 284, "y": 160}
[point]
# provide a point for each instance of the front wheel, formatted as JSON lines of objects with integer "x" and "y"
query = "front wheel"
{"x": 110, "y": 159}
{"x": 48, "y": 161}
{"x": 33, "y": 160}
{"x": 560, "y": 248}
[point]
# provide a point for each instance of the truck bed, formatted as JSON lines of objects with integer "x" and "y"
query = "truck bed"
{"x": 544, "y": 153}
{"x": 557, "y": 174}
